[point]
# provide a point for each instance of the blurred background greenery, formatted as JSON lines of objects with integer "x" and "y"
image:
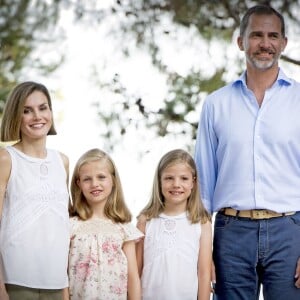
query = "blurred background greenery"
{"x": 209, "y": 27}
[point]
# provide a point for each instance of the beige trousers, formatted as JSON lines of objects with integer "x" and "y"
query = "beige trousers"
{"x": 16, "y": 292}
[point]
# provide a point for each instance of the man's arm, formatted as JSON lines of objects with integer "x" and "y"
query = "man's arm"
{"x": 205, "y": 157}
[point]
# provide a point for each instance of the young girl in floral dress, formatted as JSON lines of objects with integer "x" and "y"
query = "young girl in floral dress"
{"x": 175, "y": 258}
{"x": 102, "y": 258}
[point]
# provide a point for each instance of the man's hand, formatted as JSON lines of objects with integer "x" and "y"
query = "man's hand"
{"x": 297, "y": 274}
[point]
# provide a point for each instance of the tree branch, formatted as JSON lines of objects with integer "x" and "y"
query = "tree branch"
{"x": 290, "y": 60}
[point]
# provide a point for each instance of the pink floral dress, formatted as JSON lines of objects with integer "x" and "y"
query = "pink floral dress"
{"x": 97, "y": 265}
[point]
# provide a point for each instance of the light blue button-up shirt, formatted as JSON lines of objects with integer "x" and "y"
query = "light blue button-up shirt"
{"x": 248, "y": 157}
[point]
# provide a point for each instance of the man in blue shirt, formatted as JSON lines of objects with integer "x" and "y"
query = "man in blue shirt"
{"x": 248, "y": 158}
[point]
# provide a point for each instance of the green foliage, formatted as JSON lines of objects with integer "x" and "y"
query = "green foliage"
{"x": 24, "y": 24}
{"x": 148, "y": 22}
{"x": 175, "y": 116}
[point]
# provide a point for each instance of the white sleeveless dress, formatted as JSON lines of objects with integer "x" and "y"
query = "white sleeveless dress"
{"x": 171, "y": 249}
{"x": 34, "y": 230}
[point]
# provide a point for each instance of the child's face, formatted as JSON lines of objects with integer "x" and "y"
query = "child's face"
{"x": 95, "y": 182}
{"x": 177, "y": 182}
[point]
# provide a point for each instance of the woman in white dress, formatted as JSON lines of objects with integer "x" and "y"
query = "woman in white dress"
{"x": 34, "y": 229}
{"x": 174, "y": 258}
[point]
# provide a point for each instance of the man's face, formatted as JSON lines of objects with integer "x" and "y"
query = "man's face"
{"x": 262, "y": 41}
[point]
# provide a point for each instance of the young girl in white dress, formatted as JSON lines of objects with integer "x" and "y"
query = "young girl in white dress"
{"x": 102, "y": 258}
{"x": 174, "y": 258}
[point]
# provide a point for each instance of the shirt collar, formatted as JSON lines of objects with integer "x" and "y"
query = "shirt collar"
{"x": 282, "y": 79}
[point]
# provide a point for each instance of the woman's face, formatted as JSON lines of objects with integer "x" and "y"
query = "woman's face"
{"x": 37, "y": 117}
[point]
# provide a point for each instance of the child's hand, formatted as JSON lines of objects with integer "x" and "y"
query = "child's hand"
{"x": 3, "y": 293}
{"x": 213, "y": 278}
{"x": 65, "y": 294}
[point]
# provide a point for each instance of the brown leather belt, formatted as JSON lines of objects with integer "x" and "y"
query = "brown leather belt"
{"x": 256, "y": 214}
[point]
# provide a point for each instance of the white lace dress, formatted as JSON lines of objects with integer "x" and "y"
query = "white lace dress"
{"x": 34, "y": 229}
{"x": 97, "y": 264}
{"x": 171, "y": 249}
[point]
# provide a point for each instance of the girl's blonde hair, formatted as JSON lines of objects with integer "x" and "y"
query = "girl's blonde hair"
{"x": 14, "y": 109}
{"x": 195, "y": 208}
{"x": 115, "y": 208}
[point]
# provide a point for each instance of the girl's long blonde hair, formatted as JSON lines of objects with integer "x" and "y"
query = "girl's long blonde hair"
{"x": 195, "y": 208}
{"x": 115, "y": 208}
